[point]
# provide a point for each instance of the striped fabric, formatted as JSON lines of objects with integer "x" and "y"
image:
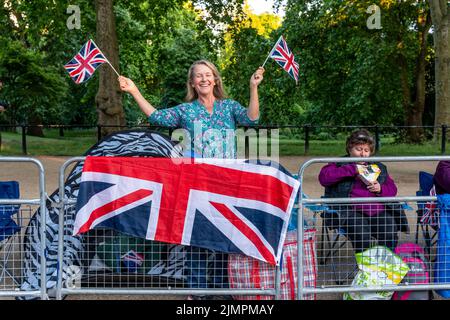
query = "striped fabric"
{"x": 248, "y": 273}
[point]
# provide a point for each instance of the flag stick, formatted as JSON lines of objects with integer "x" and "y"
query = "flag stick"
{"x": 271, "y": 51}
{"x": 112, "y": 66}
{"x": 105, "y": 58}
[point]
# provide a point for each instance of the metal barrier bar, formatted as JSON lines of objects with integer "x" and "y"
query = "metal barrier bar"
{"x": 169, "y": 291}
{"x": 41, "y": 202}
{"x": 379, "y": 288}
{"x": 364, "y": 200}
{"x": 60, "y": 290}
{"x": 15, "y": 201}
{"x": 302, "y": 202}
{"x": 61, "y": 205}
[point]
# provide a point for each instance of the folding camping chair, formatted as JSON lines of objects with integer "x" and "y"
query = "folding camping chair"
{"x": 8, "y": 228}
{"x": 336, "y": 250}
{"x": 335, "y": 245}
{"x": 307, "y": 221}
{"x": 427, "y": 213}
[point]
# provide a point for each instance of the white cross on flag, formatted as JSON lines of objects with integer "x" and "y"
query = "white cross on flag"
{"x": 227, "y": 205}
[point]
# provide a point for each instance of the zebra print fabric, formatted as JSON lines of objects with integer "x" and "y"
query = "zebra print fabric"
{"x": 125, "y": 143}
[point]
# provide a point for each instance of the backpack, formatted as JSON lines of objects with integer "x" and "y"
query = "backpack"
{"x": 419, "y": 273}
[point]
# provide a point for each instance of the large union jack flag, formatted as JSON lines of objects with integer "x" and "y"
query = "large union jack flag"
{"x": 85, "y": 62}
{"x": 226, "y": 205}
{"x": 285, "y": 58}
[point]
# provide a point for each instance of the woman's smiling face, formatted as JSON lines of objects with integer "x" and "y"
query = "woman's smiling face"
{"x": 203, "y": 80}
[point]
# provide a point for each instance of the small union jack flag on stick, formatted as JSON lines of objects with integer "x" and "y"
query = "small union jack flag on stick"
{"x": 284, "y": 57}
{"x": 83, "y": 65}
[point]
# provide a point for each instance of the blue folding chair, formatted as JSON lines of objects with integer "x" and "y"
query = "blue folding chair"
{"x": 316, "y": 208}
{"x": 8, "y": 226}
{"x": 430, "y": 226}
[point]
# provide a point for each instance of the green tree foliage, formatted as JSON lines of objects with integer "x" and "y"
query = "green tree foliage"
{"x": 277, "y": 92}
{"x": 349, "y": 74}
{"x": 352, "y": 74}
{"x": 149, "y": 32}
{"x": 32, "y": 89}
{"x": 247, "y": 44}
{"x": 184, "y": 44}
{"x": 158, "y": 42}
{"x": 38, "y": 29}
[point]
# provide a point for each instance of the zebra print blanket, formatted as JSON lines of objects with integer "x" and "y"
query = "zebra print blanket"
{"x": 124, "y": 143}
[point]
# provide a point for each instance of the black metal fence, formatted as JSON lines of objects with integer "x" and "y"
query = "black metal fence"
{"x": 304, "y": 133}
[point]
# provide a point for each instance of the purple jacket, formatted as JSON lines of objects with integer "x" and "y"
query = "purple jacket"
{"x": 442, "y": 177}
{"x": 332, "y": 174}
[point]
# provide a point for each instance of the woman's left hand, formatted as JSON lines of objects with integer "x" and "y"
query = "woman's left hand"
{"x": 374, "y": 187}
{"x": 257, "y": 77}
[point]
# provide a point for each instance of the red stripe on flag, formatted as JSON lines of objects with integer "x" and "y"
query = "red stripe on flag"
{"x": 114, "y": 205}
{"x": 207, "y": 177}
{"x": 246, "y": 230}
{"x": 179, "y": 179}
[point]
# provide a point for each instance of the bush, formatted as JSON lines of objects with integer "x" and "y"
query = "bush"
{"x": 323, "y": 136}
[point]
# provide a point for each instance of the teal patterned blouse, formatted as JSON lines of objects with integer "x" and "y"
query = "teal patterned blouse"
{"x": 214, "y": 134}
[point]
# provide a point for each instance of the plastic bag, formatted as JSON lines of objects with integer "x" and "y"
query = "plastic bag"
{"x": 378, "y": 266}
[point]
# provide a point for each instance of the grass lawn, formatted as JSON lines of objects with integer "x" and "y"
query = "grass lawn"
{"x": 76, "y": 142}
{"x": 337, "y": 148}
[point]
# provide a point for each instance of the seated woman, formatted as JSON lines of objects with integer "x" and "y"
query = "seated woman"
{"x": 441, "y": 177}
{"x": 363, "y": 221}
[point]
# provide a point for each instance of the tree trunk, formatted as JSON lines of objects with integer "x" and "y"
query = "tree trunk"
{"x": 415, "y": 133}
{"x": 440, "y": 14}
{"x": 404, "y": 83}
{"x": 35, "y": 126}
{"x": 109, "y": 98}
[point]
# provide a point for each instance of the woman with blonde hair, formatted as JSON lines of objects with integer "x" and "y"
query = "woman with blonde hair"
{"x": 206, "y": 108}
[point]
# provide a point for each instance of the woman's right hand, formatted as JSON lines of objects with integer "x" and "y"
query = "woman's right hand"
{"x": 127, "y": 85}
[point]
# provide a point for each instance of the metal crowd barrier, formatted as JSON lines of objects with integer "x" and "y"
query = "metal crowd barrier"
{"x": 337, "y": 266}
{"x": 12, "y": 249}
{"x": 112, "y": 263}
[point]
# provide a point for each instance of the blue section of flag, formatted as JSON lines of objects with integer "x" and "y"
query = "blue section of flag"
{"x": 269, "y": 225}
{"x": 206, "y": 235}
{"x": 88, "y": 190}
{"x": 133, "y": 222}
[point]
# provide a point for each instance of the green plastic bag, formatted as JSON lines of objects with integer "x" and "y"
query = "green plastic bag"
{"x": 378, "y": 266}
{"x": 125, "y": 254}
